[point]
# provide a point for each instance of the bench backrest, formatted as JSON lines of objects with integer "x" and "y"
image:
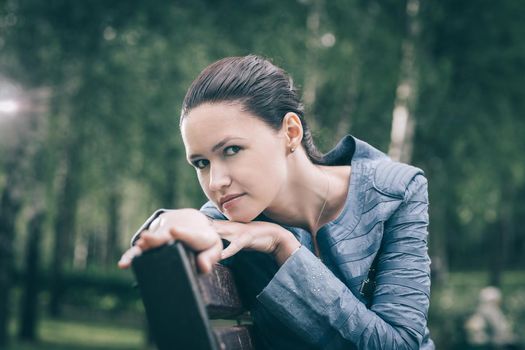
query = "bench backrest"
{"x": 179, "y": 302}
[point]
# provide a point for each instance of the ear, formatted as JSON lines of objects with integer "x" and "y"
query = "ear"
{"x": 293, "y": 130}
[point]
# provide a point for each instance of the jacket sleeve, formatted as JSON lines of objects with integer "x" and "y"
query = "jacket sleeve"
{"x": 212, "y": 212}
{"x": 323, "y": 310}
{"x": 145, "y": 225}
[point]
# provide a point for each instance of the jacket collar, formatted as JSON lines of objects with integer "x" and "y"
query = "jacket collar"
{"x": 349, "y": 149}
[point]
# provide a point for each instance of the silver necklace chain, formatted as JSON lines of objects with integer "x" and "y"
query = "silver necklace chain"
{"x": 325, "y": 198}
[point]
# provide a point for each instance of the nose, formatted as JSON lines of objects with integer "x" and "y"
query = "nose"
{"x": 219, "y": 178}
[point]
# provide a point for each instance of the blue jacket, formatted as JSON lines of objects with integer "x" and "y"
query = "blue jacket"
{"x": 316, "y": 303}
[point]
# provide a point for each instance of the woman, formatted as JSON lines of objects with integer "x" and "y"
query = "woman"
{"x": 330, "y": 250}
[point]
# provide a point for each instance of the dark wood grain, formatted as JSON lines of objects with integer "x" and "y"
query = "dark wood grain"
{"x": 179, "y": 302}
{"x": 233, "y": 338}
{"x": 174, "y": 309}
{"x": 220, "y": 294}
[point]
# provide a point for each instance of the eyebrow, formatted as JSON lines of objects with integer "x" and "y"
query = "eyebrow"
{"x": 217, "y": 146}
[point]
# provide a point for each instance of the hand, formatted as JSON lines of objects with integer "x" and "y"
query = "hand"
{"x": 262, "y": 236}
{"x": 189, "y": 226}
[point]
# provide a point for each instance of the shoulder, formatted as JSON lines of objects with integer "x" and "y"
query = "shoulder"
{"x": 394, "y": 178}
{"x": 386, "y": 176}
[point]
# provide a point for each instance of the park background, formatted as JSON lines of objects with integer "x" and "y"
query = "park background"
{"x": 90, "y": 95}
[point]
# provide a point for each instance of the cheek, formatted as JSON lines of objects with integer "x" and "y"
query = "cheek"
{"x": 267, "y": 177}
{"x": 203, "y": 182}
{"x": 262, "y": 176}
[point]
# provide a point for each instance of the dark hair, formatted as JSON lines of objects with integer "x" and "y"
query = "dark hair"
{"x": 262, "y": 88}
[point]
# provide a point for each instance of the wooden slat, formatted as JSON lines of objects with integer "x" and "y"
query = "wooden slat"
{"x": 219, "y": 293}
{"x": 234, "y": 338}
{"x": 179, "y": 301}
{"x": 174, "y": 309}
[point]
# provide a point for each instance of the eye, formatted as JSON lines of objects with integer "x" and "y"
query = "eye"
{"x": 200, "y": 163}
{"x": 231, "y": 150}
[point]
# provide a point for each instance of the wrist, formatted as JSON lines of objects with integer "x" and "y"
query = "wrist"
{"x": 286, "y": 245}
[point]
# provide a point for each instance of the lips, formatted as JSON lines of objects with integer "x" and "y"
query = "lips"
{"x": 228, "y": 199}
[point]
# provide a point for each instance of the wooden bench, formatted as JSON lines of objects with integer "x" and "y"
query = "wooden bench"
{"x": 180, "y": 303}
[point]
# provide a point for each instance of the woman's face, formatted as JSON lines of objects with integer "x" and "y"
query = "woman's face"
{"x": 240, "y": 161}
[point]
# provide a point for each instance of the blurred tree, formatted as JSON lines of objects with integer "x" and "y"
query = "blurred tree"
{"x": 316, "y": 10}
{"x": 10, "y": 203}
{"x": 403, "y": 119}
{"x": 109, "y": 145}
{"x": 467, "y": 123}
{"x": 361, "y": 70}
{"x": 361, "y": 22}
{"x": 27, "y": 329}
{"x": 64, "y": 225}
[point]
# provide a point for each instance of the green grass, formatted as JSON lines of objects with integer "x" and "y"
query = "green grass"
{"x": 77, "y": 335}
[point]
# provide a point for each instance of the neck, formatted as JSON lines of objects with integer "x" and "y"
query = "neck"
{"x": 302, "y": 198}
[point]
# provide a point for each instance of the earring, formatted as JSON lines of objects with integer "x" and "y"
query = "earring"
{"x": 292, "y": 150}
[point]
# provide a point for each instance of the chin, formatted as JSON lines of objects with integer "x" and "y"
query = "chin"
{"x": 242, "y": 217}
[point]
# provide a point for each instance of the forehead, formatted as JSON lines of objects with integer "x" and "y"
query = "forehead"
{"x": 208, "y": 124}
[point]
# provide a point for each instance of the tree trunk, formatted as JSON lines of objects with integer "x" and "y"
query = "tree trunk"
{"x": 112, "y": 247}
{"x": 311, "y": 78}
{"x": 501, "y": 234}
{"x": 367, "y": 20}
{"x": 64, "y": 233}
{"x": 29, "y": 300}
{"x": 402, "y": 134}
{"x": 9, "y": 208}
{"x": 170, "y": 193}
{"x": 438, "y": 241}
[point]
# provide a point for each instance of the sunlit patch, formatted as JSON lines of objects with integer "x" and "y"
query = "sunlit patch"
{"x": 9, "y": 107}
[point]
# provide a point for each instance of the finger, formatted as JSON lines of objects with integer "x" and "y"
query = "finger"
{"x": 227, "y": 230}
{"x": 127, "y": 257}
{"x": 237, "y": 243}
{"x": 207, "y": 258}
{"x": 217, "y": 224}
{"x": 225, "y": 226}
{"x": 149, "y": 240}
{"x": 206, "y": 238}
{"x": 232, "y": 249}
